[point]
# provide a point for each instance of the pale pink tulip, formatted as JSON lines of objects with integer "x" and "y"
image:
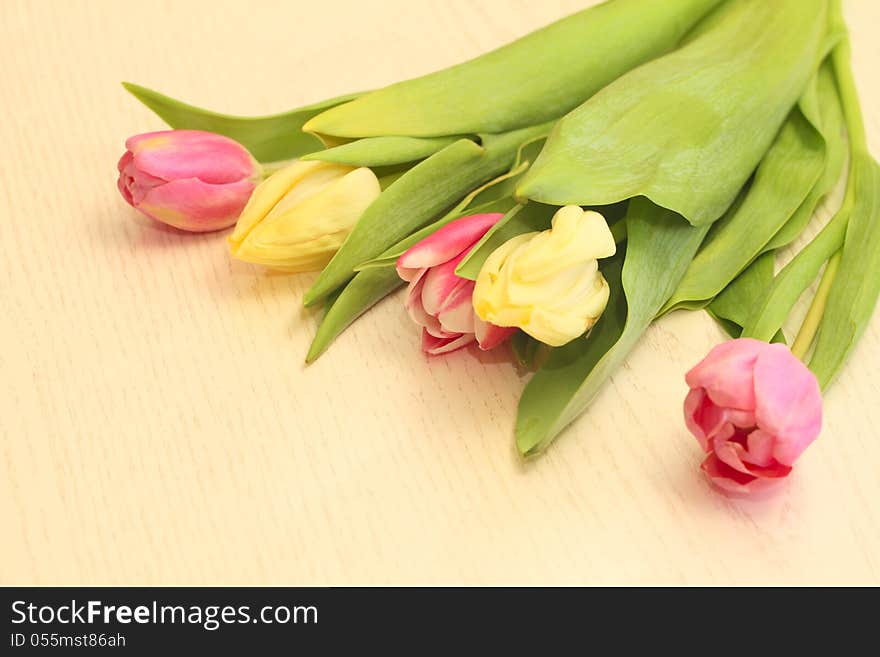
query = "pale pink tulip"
{"x": 192, "y": 180}
{"x": 438, "y": 300}
{"x": 754, "y": 408}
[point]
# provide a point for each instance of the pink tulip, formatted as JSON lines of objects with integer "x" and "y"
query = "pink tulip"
{"x": 440, "y": 301}
{"x": 192, "y": 180}
{"x": 754, "y": 408}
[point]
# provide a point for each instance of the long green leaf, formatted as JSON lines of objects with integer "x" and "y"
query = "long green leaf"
{"x": 688, "y": 129}
{"x": 533, "y": 80}
{"x": 856, "y": 285}
{"x": 495, "y": 194}
{"x": 732, "y": 307}
{"x": 504, "y": 187}
{"x": 660, "y": 246}
{"x": 786, "y": 187}
{"x": 850, "y": 244}
{"x": 769, "y": 314}
{"x": 382, "y": 151}
{"x": 268, "y": 138}
{"x": 830, "y": 123}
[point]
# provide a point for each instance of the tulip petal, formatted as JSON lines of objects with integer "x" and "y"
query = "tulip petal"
{"x": 734, "y": 481}
{"x": 727, "y": 478}
{"x": 417, "y": 311}
{"x": 705, "y": 419}
{"x": 134, "y": 183}
{"x": 448, "y": 242}
{"x": 278, "y": 186}
{"x": 181, "y": 154}
{"x": 741, "y": 419}
{"x": 410, "y": 274}
{"x": 440, "y": 283}
{"x": 692, "y": 404}
{"x": 730, "y": 453}
{"x": 490, "y": 336}
{"x": 773, "y": 470}
{"x": 436, "y": 346}
{"x": 789, "y": 402}
{"x": 196, "y": 206}
{"x": 309, "y": 224}
{"x": 457, "y": 315}
{"x": 575, "y": 236}
{"x": 125, "y": 178}
{"x": 760, "y": 449}
{"x": 726, "y": 373}
{"x": 548, "y": 283}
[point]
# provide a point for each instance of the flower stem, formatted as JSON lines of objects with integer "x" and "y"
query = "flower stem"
{"x": 846, "y": 86}
{"x": 858, "y": 144}
{"x": 817, "y": 309}
{"x": 618, "y": 231}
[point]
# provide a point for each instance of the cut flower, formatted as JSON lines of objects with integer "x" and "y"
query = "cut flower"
{"x": 299, "y": 216}
{"x": 192, "y": 180}
{"x": 548, "y": 284}
{"x": 754, "y": 408}
{"x": 439, "y": 300}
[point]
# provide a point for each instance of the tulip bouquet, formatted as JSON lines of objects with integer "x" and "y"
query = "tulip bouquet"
{"x": 563, "y": 192}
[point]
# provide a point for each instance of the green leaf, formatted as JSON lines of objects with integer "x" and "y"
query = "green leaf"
{"x": 505, "y": 186}
{"x": 382, "y": 151}
{"x": 494, "y": 196}
{"x": 553, "y": 397}
{"x": 830, "y": 124}
{"x": 423, "y": 192}
{"x": 856, "y": 285}
{"x": 688, "y": 129}
{"x": 372, "y": 284}
{"x": 268, "y": 138}
{"x": 527, "y": 351}
{"x": 660, "y": 246}
{"x": 732, "y": 307}
{"x": 795, "y": 277}
{"x": 770, "y": 312}
{"x": 359, "y": 295}
{"x": 533, "y": 80}
{"x": 781, "y": 198}
{"x": 483, "y": 200}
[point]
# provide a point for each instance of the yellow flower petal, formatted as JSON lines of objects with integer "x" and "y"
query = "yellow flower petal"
{"x": 297, "y": 180}
{"x": 307, "y": 226}
{"x": 548, "y": 283}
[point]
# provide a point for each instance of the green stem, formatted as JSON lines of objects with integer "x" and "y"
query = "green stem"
{"x": 846, "y": 86}
{"x": 618, "y": 231}
{"x": 858, "y": 143}
{"x": 808, "y": 329}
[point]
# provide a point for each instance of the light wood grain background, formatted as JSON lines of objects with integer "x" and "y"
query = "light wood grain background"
{"x": 158, "y": 425}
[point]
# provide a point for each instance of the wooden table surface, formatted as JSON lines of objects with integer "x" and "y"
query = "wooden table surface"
{"x": 159, "y": 426}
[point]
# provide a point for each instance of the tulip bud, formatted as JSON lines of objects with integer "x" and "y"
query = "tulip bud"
{"x": 439, "y": 300}
{"x": 754, "y": 408}
{"x": 299, "y": 217}
{"x": 548, "y": 283}
{"x": 192, "y": 180}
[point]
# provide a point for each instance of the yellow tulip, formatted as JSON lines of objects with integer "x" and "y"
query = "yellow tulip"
{"x": 548, "y": 283}
{"x": 299, "y": 216}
